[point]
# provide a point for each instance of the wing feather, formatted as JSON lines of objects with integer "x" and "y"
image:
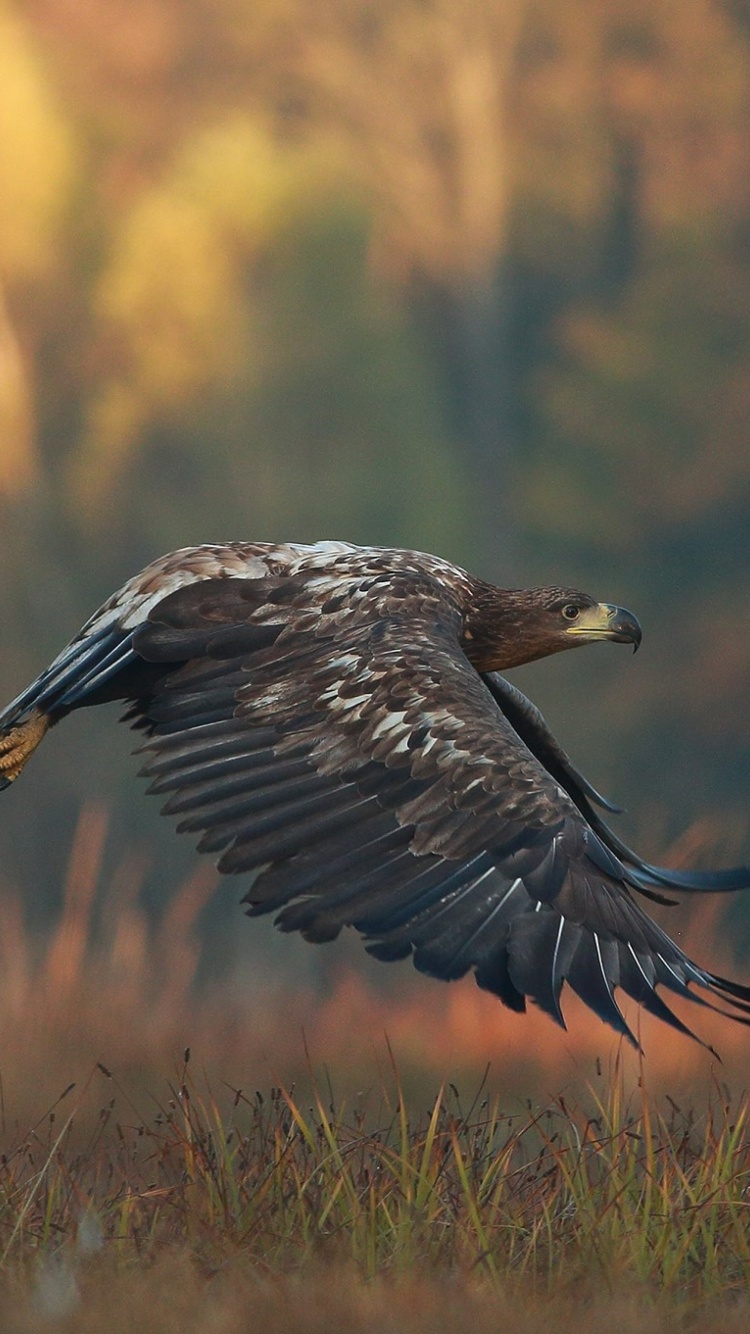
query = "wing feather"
{"x": 327, "y": 732}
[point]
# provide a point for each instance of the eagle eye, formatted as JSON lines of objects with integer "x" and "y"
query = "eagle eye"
{"x": 571, "y": 612}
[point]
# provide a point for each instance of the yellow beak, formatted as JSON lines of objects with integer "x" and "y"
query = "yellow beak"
{"x": 605, "y": 621}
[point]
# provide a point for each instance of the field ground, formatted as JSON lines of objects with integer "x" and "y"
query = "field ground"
{"x": 299, "y": 1170}
{"x": 184, "y": 1211}
{"x": 172, "y": 1297}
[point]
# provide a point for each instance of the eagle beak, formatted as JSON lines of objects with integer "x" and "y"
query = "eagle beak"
{"x": 604, "y": 621}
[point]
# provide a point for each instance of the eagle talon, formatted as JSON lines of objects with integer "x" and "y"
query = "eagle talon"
{"x": 20, "y": 743}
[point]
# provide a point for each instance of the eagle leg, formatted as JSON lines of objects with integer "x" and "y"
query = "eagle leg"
{"x": 21, "y": 742}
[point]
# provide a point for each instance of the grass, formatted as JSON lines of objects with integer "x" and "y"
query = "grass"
{"x": 252, "y": 1194}
{"x": 250, "y": 1190}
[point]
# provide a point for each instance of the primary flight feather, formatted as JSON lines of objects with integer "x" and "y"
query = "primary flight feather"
{"x": 330, "y": 721}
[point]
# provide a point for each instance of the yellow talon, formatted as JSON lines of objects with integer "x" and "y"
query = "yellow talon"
{"x": 20, "y": 742}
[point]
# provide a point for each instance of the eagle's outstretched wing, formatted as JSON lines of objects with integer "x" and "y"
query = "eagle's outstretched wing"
{"x": 335, "y": 742}
{"x": 313, "y": 717}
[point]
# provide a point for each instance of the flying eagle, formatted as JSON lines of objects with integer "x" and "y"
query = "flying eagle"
{"x": 330, "y": 720}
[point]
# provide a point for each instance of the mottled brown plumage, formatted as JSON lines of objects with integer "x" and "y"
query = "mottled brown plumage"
{"x": 329, "y": 721}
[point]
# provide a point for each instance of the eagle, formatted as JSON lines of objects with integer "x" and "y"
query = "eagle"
{"x": 332, "y": 722}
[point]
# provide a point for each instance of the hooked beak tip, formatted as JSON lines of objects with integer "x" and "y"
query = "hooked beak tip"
{"x": 624, "y": 627}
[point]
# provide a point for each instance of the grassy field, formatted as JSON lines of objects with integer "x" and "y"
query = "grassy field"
{"x": 336, "y": 1178}
{"x": 192, "y": 1212}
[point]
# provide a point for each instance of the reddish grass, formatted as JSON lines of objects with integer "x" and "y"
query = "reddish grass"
{"x": 127, "y": 996}
{"x": 134, "y": 1202}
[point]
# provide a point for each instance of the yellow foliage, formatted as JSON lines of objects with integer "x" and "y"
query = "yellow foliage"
{"x": 169, "y": 293}
{"x": 38, "y": 156}
{"x": 173, "y": 293}
{"x": 36, "y": 171}
{"x": 18, "y": 466}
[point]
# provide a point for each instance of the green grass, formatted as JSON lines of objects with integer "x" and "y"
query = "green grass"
{"x": 554, "y": 1204}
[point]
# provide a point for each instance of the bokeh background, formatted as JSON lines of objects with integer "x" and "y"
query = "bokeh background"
{"x": 465, "y": 275}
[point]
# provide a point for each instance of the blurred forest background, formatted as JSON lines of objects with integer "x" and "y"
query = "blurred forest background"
{"x": 469, "y": 276}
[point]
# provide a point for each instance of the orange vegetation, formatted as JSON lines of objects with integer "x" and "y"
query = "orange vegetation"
{"x": 128, "y": 999}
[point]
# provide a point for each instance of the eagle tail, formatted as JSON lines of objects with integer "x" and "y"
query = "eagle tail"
{"x": 646, "y": 878}
{"x": 693, "y": 882}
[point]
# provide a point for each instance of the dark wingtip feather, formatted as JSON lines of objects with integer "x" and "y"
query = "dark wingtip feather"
{"x": 735, "y": 993}
{"x": 696, "y": 882}
{"x": 388, "y": 951}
